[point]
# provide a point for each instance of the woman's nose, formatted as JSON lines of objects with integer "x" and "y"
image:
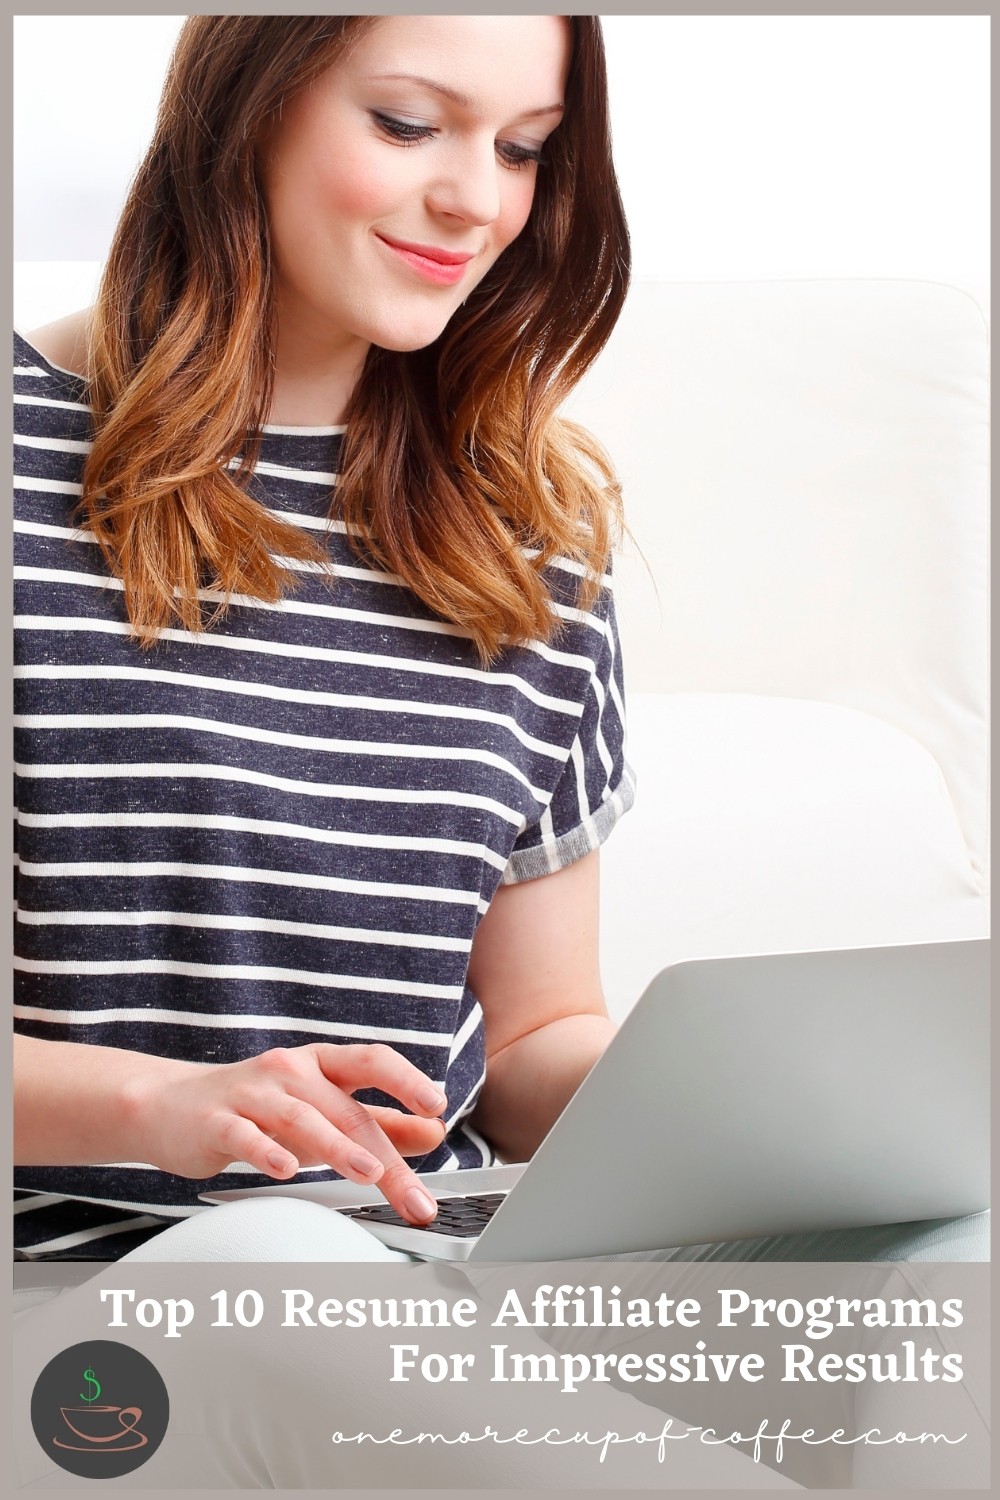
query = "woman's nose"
{"x": 468, "y": 186}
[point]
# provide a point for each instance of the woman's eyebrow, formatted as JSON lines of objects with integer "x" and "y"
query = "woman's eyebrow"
{"x": 456, "y": 98}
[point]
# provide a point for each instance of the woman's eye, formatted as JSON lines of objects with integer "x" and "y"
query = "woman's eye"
{"x": 517, "y": 156}
{"x": 410, "y": 133}
{"x": 405, "y": 131}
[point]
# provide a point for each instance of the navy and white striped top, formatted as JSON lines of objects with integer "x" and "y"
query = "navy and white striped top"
{"x": 282, "y": 831}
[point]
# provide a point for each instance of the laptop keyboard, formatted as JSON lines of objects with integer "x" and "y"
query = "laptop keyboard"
{"x": 463, "y": 1218}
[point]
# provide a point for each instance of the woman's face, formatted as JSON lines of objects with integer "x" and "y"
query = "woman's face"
{"x": 396, "y": 179}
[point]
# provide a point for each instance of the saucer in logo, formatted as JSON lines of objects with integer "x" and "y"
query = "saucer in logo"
{"x": 99, "y": 1409}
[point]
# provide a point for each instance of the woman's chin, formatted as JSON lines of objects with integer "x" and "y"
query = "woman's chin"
{"x": 405, "y": 335}
{"x": 397, "y": 343}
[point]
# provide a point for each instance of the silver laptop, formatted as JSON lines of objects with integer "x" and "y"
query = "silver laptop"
{"x": 740, "y": 1097}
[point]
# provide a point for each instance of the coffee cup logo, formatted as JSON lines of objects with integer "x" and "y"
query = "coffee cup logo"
{"x": 85, "y": 1432}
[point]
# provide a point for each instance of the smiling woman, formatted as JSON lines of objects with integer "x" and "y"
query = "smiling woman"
{"x": 409, "y": 187}
{"x": 256, "y": 276}
{"x": 320, "y": 703}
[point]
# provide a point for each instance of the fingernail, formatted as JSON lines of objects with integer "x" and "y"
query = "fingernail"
{"x": 429, "y": 1097}
{"x": 368, "y": 1166}
{"x": 280, "y": 1162}
{"x": 419, "y": 1205}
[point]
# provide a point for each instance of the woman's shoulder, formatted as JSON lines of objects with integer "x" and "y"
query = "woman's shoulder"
{"x": 63, "y": 344}
{"x": 52, "y": 414}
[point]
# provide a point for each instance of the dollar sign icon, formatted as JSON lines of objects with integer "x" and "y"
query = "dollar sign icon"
{"x": 91, "y": 1379}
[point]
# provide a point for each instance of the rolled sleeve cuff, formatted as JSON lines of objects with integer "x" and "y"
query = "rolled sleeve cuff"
{"x": 555, "y": 853}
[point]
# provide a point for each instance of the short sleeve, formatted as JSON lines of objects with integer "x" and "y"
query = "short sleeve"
{"x": 596, "y": 786}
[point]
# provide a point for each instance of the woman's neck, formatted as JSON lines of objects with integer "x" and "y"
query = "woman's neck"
{"x": 315, "y": 373}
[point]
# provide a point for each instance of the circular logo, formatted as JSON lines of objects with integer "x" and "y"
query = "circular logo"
{"x": 99, "y": 1409}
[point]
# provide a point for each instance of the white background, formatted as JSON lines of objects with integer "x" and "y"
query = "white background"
{"x": 747, "y": 146}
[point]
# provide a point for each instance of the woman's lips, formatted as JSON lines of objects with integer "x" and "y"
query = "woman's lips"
{"x": 443, "y": 267}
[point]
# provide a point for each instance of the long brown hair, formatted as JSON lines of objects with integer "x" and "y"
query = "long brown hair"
{"x": 457, "y": 475}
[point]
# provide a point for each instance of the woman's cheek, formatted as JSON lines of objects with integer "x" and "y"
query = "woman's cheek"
{"x": 362, "y": 185}
{"x": 516, "y": 210}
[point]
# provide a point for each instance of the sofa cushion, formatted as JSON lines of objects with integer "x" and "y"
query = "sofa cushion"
{"x": 805, "y": 467}
{"x": 766, "y": 825}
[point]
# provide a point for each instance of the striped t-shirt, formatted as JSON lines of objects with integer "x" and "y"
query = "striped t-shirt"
{"x": 282, "y": 831}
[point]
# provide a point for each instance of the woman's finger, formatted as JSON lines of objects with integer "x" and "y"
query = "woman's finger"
{"x": 376, "y": 1066}
{"x": 410, "y": 1135}
{"x": 239, "y": 1139}
{"x": 329, "y": 1135}
{"x": 345, "y": 1135}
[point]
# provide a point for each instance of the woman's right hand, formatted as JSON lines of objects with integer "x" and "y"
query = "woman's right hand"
{"x": 292, "y": 1107}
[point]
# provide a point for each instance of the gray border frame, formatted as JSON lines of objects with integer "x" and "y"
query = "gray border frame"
{"x": 888, "y": 7}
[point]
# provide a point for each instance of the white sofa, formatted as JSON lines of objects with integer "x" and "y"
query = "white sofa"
{"x": 805, "y": 472}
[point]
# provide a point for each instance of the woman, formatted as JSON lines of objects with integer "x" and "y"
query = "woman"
{"x": 330, "y": 830}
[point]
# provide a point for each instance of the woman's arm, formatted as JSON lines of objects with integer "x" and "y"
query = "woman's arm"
{"x": 536, "y": 973}
{"x": 75, "y": 1103}
{"x": 72, "y": 1101}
